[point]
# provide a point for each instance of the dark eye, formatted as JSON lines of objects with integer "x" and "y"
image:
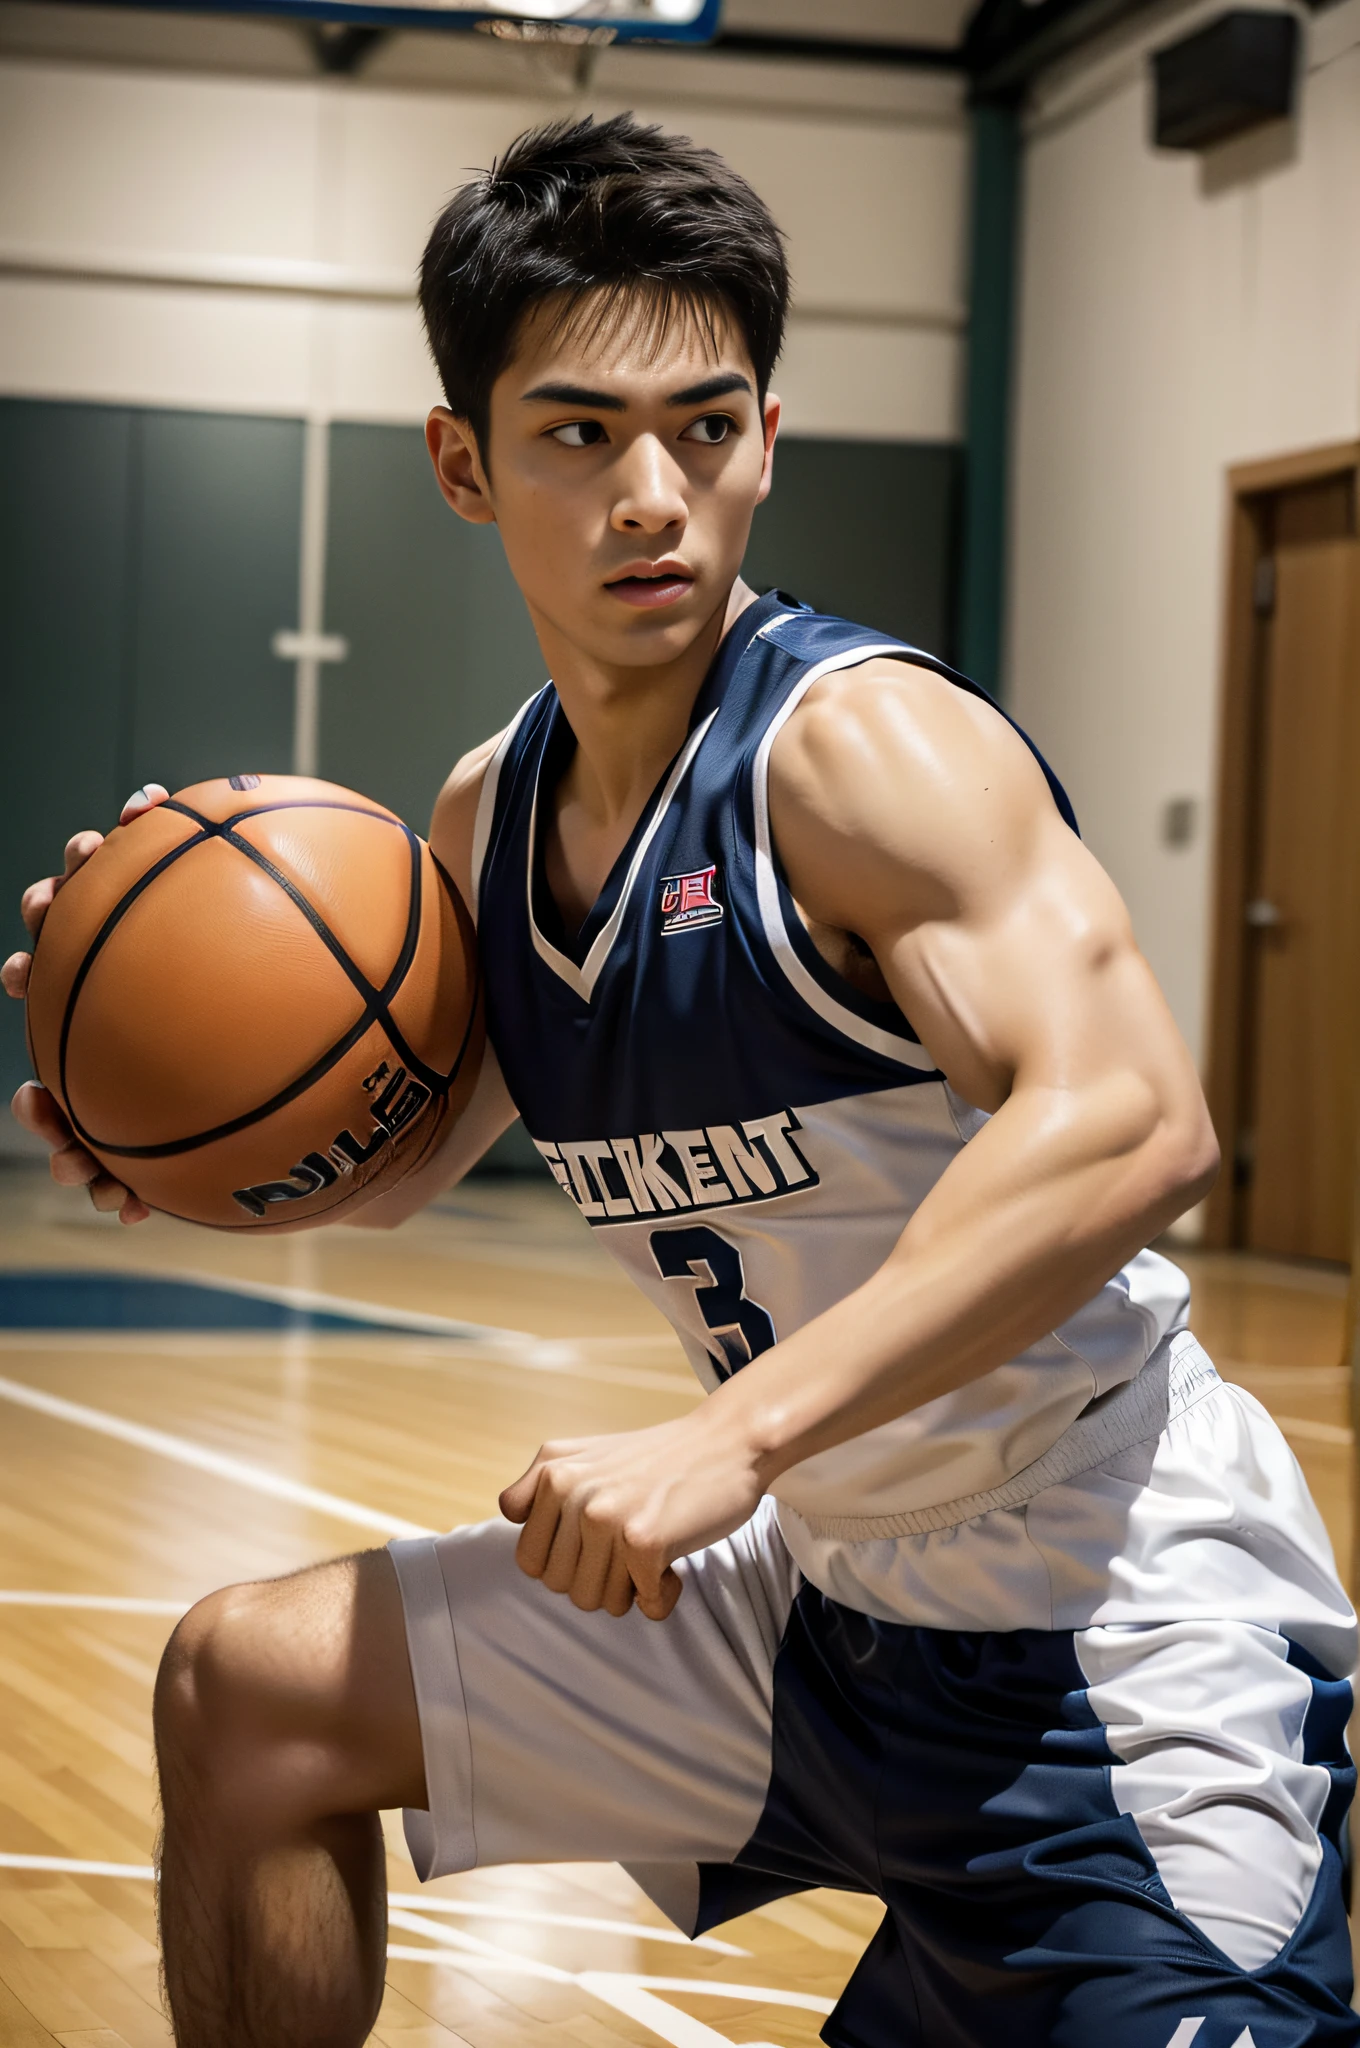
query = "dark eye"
{"x": 710, "y": 430}
{"x": 579, "y": 434}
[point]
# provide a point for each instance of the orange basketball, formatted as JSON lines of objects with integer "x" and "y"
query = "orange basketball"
{"x": 258, "y": 1004}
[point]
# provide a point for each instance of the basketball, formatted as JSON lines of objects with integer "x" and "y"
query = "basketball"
{"x": 258, "y": 1004}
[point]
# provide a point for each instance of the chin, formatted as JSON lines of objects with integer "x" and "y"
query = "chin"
{"x": 655, "y": 641}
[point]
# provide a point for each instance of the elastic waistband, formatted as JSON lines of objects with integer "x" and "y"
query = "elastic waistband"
{"x": 1176, "y": 1376}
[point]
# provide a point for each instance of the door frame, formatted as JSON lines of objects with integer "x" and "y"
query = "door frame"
{"x": 1250, "y": 486}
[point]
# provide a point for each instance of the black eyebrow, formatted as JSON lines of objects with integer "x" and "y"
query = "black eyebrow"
{"x": 576, "y": 394}
{"x": 720, "y": 386}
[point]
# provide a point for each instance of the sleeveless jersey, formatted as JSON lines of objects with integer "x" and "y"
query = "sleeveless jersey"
{"x": 748, "y": 1133}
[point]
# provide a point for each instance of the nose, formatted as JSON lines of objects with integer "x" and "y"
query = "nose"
{"x": 650, "y": 497}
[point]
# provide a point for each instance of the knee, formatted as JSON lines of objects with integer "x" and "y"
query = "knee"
{"x": 294, "y": 1689}
{"x": 209, "y": 1688}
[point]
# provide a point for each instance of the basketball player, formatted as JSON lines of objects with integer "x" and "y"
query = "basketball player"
{"x": 971, "y": 1585}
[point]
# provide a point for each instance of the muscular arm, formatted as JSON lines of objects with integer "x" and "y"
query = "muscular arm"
{"x": 910, "y": 815}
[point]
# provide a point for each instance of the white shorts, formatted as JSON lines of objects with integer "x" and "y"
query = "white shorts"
{"x": 1153, "y": 1734}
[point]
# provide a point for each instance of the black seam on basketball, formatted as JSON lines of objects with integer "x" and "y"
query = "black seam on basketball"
{"x": 316, "y": 1072}
{"x": 375, "y": 1000}
{"x": 314, "y": 803}
{"x": 391, "y": 988}
{"x": 92, "y": 951}
{"x": 224, "y": 829}
{"x": 350, "y": 968}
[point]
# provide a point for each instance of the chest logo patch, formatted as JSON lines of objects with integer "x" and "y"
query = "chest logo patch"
{"x": 688, "y": 902}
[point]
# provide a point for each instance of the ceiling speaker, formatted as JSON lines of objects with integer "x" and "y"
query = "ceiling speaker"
{"x": 1233, "y": 75}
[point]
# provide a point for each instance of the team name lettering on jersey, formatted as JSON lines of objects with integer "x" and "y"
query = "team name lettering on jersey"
{"x": 678, "y": 1172}
{"x": 687, "y": 902}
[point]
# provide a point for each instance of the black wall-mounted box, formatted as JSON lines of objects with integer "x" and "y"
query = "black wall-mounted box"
{"x": 1224, "y": 79}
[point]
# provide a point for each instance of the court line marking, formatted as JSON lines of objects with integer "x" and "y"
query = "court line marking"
{"x": 533, "y": 1916}
{"x": 101, "y": 1603}
{"x": 471, "y": 1946}
{"x": 77, "y": 1866}
{"x": 568, "y": 1357}
{"x": 705, "y": 1987}
{"x": 469, "y": 1950}
{"x": 418, "y": 1321}
{"x": 633, "y": 1995}
{"x": 220, "y": 1464}
{"x": 312, "y": 1299}
{"x": 678, "y": 2029}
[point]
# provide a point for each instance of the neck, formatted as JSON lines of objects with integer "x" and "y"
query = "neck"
{"x": 629, "y": 722}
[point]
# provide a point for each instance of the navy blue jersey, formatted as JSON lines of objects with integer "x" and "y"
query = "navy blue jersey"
{"x": 750, "y": 1133}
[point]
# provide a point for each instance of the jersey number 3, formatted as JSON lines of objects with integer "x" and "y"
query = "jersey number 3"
{"x": 741, "y": 1328}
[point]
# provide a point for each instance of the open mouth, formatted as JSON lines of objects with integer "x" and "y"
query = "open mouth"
{"x": 651, "y": 588}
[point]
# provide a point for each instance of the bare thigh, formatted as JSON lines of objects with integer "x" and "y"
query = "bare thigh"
{"x": 295, "y": 1694}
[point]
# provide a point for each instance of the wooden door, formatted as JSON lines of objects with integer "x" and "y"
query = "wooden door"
{"x": 1292, "y": 1141}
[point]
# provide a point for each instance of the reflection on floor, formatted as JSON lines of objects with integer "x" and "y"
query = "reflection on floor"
{"x": 196, "y": 1409}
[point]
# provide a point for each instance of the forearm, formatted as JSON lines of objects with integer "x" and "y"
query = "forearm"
{"x": 1025, "y": 1226}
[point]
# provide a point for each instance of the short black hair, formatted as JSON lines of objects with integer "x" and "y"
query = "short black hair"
{"x": 580, "y": 208}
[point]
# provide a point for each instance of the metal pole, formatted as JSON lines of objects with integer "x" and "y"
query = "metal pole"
{"x": 991, "y": 320}
{"x": 309, "y": 646}
{"x": 311, "y": 597}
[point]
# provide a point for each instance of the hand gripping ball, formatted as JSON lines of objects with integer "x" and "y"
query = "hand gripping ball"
{"x": 258, "y": 1004}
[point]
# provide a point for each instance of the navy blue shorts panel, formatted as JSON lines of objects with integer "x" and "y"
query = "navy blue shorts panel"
{"x": 965, "y": 1780}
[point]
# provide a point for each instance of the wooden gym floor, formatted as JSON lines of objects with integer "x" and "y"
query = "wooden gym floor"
{"x": 143, "y": 1467}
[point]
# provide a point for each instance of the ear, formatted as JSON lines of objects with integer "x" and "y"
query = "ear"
{"x": 458, "y": 467}
{"x": 771, "y": 425}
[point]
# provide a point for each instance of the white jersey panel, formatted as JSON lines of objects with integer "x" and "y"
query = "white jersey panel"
{"x": 853, "y": 1172}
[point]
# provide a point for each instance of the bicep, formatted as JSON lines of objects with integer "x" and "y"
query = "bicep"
{"x": 1034, "y": 980}
{"x": 916, "y": 816}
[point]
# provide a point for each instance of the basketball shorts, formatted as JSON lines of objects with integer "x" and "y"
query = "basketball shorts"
{"x": 1129, "y": 1832}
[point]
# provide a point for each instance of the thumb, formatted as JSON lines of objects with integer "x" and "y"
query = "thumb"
{"x": 658, "y": 1600}
{"x": 144, "y": 799}
{"x": 518, "y": 1498}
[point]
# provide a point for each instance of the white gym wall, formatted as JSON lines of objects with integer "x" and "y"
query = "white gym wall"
{"x": 1178, "y": 314}
{"x": 196, "y": 232}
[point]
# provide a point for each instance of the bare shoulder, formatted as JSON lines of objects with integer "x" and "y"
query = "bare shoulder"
{"x": 889, "y": 778}
{"x": 455, "y": 814}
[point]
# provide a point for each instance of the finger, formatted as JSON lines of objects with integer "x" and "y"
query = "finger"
{"x": 78, "y": 850}
{"x": 535, "y": 1544}
{"x": 618, "y": 1587}
{"x": 107, "y": 1194}
{"x": 134, "y": 1210}
{"x": 35, "y": 903}
{"x": 14, "y": 975}
{"x": 564, "y": 1552}
{"x": 38, "y": 1111}
{"x": 73, "y": 1167}
{"x": 595, "y": 1547}
{"x": 518, "y": 1498}
{"x": 658, "y": 1604}
{"x": 144, "y": 799}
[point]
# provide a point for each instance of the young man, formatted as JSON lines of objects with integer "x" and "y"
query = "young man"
{"x": 971, "y": 1585}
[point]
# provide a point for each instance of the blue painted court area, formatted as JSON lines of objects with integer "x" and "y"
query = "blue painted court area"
{"x": 55, "y": 1299}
